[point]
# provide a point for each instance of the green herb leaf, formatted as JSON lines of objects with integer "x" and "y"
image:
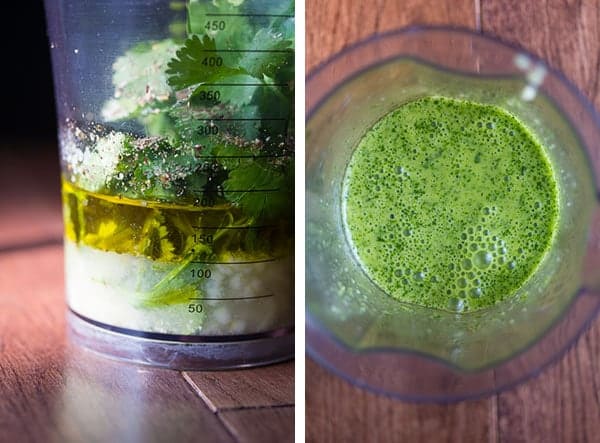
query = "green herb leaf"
{"x": 275, "y": 54}
{"x": 140, "y": 81}
{"x": 230, "y": 31}
{"x": 260, "y": 190}
{"x": 238, "y": 90}
{"x": 152, "y": 168}
{"x": 197, "y": 62}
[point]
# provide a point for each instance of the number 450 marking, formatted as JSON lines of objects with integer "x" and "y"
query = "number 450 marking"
{"x": 215, "y": 25}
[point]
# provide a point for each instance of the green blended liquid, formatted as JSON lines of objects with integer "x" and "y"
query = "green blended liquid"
{"x": 450, "y": 204}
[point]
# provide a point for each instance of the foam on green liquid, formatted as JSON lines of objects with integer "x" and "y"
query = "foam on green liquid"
{"x": 450, "y": 204}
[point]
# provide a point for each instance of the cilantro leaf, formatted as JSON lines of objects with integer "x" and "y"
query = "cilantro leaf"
{"x": 261, "y": 191}
{"x": 239, "y": 91}
{"x": 197, "y": 62}
{"x": 140, "y": 81}
{"x": 152, "y": 168}
{"x": 275, "y": 54}
{"x": 230, "y": 32}
{"x": 275, "y": 103}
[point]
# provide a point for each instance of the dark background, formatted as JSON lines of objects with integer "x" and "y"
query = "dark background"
{"x": 28, "y": 100}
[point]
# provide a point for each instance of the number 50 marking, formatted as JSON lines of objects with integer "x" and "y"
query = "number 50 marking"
{"x": 195, "y": 308}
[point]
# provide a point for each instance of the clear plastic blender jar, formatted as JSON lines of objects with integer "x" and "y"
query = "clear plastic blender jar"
{"x": 406, "y": 350}
{"x": 177, "y": 146}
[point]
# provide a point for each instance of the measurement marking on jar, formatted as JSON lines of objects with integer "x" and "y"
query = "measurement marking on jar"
{"x": 242, "y": 119}
{"x": 235, "y": 227}
{"x": 213, "y": 126}
{"x": 247, "y": 262}
{"x": 244, "y": 190}
{"x": 217, "y": 157}
{"x": 266, "y": 51}
{"x": 282, "y": 85}
{"x": 253, "y": 190}
{"x": 254, "y": 297}
{"x": 217, "y": 14}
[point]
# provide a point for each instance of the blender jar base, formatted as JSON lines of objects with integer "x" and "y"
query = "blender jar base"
{"x": 240, "y": 352}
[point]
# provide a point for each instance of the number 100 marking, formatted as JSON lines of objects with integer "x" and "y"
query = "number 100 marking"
{"x": 201, "y": 273}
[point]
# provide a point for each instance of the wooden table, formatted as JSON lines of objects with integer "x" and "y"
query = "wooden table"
{"x": 53, "y": 391}
{"x": 563, "y": 403}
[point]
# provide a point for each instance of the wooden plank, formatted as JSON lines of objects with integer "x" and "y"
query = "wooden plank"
{"x": 337, "y": 411}
{"x": 30, "y": 204}
{"x": 562, "y": 404}
{"x": 53, "y": 391}
{"x": 564, "y": 33}
{"x": 265, "y": 386}
{"x": 261, "y": 425}
{"x": 333, "y": 25}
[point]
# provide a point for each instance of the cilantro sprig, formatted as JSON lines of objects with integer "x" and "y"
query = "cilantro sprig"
{"x": 168, "y": 87}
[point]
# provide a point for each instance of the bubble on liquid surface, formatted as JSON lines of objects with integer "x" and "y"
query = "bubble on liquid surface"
{"x": 462, "y": 282}
{"x": 467, "y": 264}
{"x": 456, "y": 304}
{"x": 475, "y": 292}
{"x": 482, "y": 259}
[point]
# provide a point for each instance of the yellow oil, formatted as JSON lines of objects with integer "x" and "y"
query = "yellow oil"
{"x": 168, "y": 232}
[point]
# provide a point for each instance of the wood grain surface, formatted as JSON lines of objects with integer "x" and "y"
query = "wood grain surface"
{"x": 54, "y": 391}
{"x": 563, "y": 403}
{"x": 565, "y": 33}
{"x": 50, "y": 392}
{"x": 333, "y": 24}
{"x": 261, "y": 425}
{"x": 261, "y": 387}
